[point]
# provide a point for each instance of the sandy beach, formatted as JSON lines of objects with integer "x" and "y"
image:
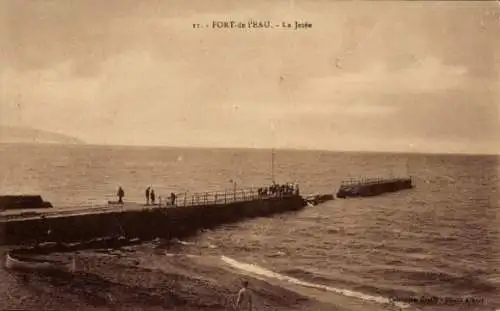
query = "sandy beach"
{"x": 123, "y": 280}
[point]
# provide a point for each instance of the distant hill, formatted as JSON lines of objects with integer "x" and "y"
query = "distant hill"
{"x": 11, "y": 134}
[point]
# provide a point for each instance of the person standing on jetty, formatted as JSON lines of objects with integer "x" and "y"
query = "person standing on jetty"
{"x": 153, "y": 196}
{"x": 172, "y": 198}
{"x": 120, "y": 194}
{"x": 148, "y": 189}
{"x": 244, "y": 301}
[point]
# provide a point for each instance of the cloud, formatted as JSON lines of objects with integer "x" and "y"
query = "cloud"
{"x": 426, "y": 75}
{"x": 367, "y": 109}
{"x": 39, "y": 34}
{"x": 130, "y": 87}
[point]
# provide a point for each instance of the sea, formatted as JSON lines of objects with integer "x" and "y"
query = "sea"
{"x": 440, "y": 239}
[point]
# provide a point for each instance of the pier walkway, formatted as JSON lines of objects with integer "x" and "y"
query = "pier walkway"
{"x": 185, "y": 199}
{"x": 191, "y": 212}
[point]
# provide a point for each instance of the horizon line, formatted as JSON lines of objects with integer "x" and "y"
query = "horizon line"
{"x": 254, "y": 148}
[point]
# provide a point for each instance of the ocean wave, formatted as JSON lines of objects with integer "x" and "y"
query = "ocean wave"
{"x": 307, "y": 275}
{"x": 277, "y": 254}
{"x": 426, "y": 278}
{"x": 348, "y": 279}
{"x": 260, "y": 271}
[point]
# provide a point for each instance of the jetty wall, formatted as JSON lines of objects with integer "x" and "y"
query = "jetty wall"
{"x": 145, "y": 224}
{"x": 373, "y": 187}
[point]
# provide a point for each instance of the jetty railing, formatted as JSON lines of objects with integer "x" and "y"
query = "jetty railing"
{"x": 227, "y": 196}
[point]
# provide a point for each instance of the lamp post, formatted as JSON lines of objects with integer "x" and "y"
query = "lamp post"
{"x": 273, "y": 132}
{"x": 234, "y": 189}
{"x": 272, "y": 166}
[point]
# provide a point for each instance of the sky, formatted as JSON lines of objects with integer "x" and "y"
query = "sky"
{"x": 379, "y": 76}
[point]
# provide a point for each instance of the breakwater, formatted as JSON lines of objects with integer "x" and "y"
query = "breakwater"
{"x": 17, "y": 202}
{"x": 136, "y": 221}
{"x": 367, "y": 187}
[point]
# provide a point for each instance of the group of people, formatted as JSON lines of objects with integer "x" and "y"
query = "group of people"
{"x": 278, "y": 190}
{"x": 149, "y": 194}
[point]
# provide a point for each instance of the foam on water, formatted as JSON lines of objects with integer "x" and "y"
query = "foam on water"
{"x": 183, "y": 242}
{"x": 257, "y": 270}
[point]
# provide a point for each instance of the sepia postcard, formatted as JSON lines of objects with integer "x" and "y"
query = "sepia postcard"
{"x": 249, "y": 155}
